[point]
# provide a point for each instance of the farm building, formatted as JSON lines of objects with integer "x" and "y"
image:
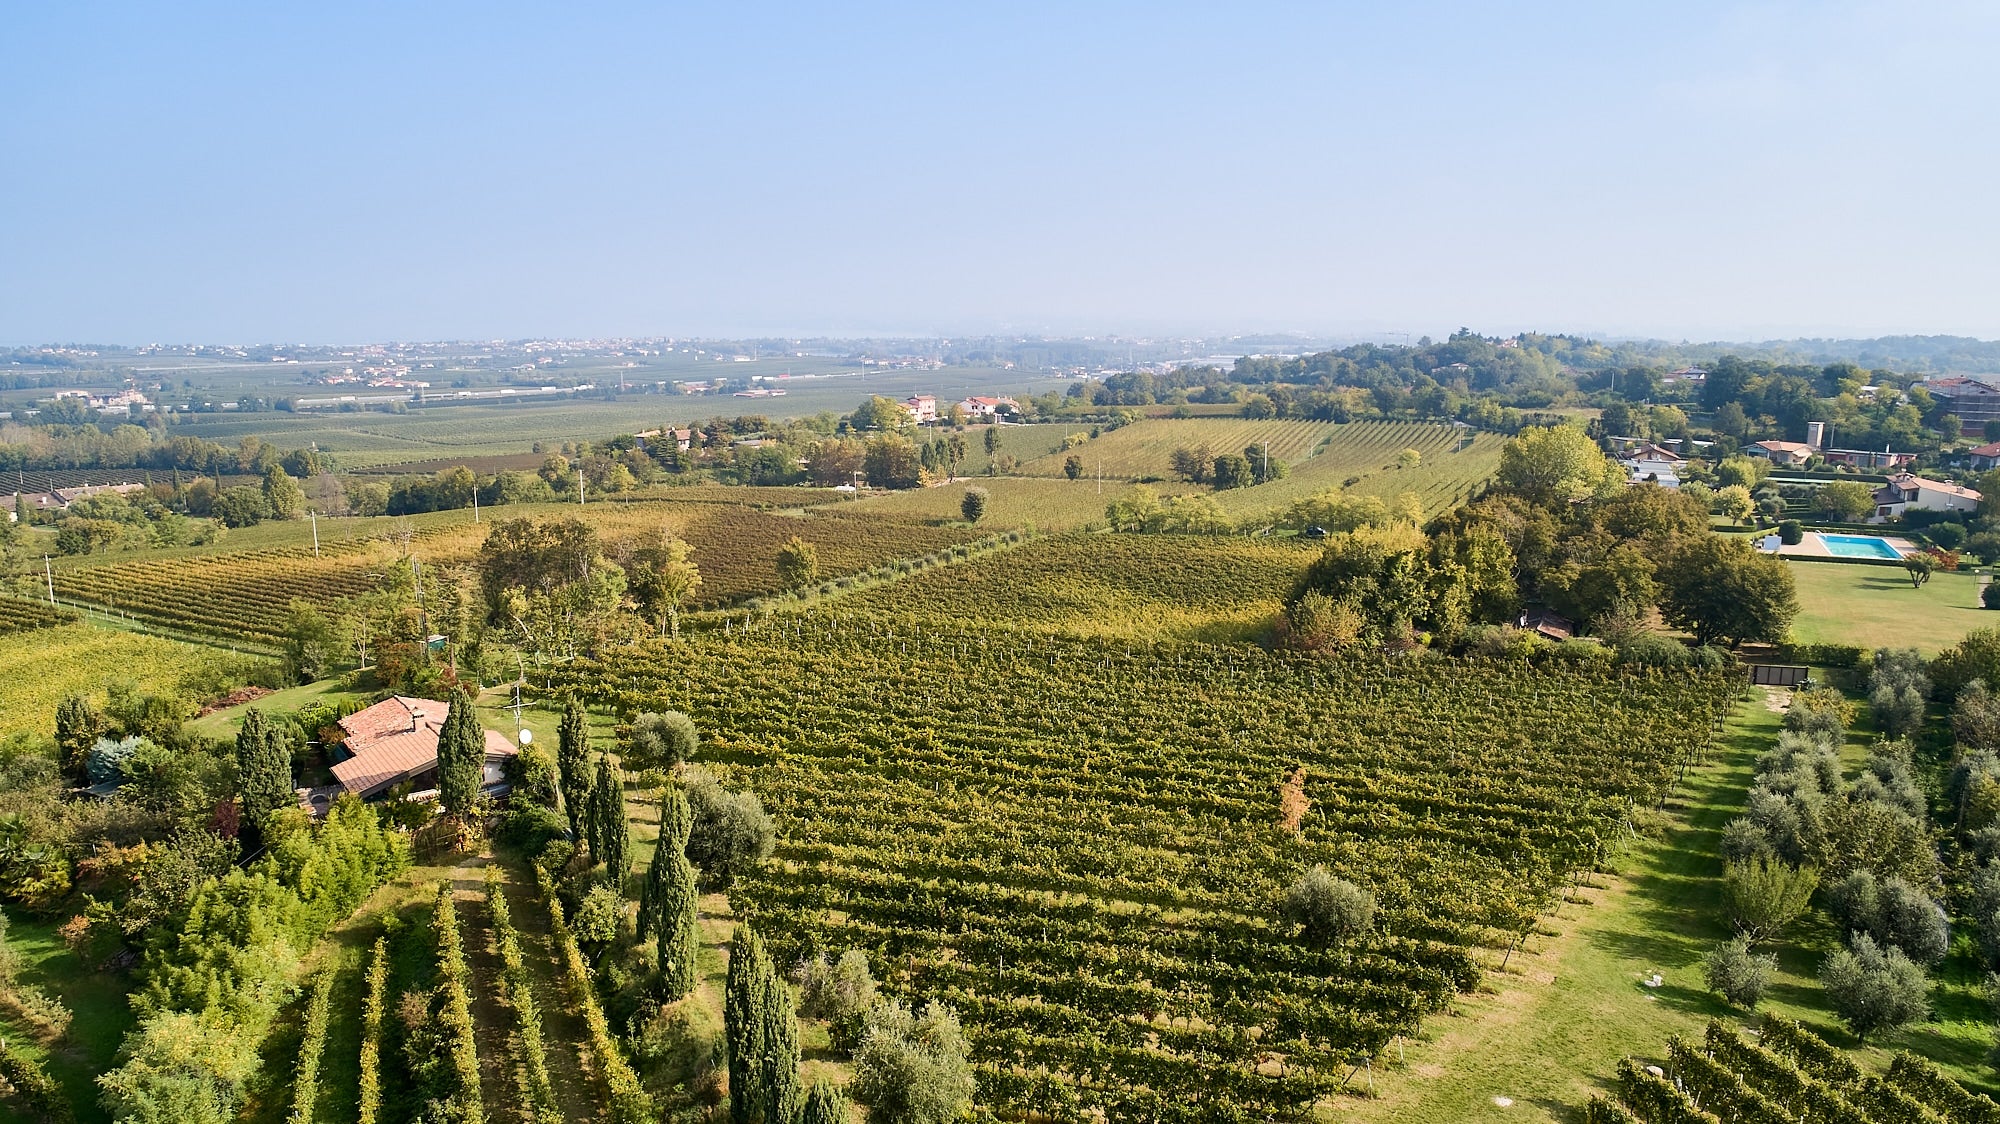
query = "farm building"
{"x": 395, "y": 742}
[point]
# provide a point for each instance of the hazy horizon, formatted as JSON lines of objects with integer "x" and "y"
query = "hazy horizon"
{"x": 1712, "y": 172}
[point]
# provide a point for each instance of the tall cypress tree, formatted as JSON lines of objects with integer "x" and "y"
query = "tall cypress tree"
{"x": 781, "y": 1052}
{"x": 825, "y": 1105}
{"x": 263, "y": 770}
{"x": 611, "y": 831}
{"x": 573, "y": 775}
{"x": 743, "y": 1025}
{"x": 674, "y": 904}
{"x": 762, "y": 1035}
{"x": 461, "y": 757}
{"x": 77, "y": 726}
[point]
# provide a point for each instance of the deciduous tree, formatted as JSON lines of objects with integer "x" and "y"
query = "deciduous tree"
{"x": 798, "y": 564}
{"x": 1720, "y": 589}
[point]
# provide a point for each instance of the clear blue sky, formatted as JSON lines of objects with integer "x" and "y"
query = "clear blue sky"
{"x": 280, "y": 172}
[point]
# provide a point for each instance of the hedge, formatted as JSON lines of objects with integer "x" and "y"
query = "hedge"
{"x": 1839, "y": 656}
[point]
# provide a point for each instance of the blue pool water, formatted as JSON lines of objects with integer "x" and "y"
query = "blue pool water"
{"x": 1859, "y": 546}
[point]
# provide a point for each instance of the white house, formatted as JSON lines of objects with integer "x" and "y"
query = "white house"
{"x": 1648, "y": 461}
{"x": 1907, "y": 492}
{"x": 977, "y": 407}
{"x": 922, "y": 408}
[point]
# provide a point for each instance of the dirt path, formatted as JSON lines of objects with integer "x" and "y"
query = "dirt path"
{"x": 492, "y": 1020}
{"x": 577, "y": 1087}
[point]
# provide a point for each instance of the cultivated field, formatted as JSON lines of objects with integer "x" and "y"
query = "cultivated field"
{"x": 1138, "y": 587}
{"x": 1080, "y": 844}
{"x": 37, "y": 670}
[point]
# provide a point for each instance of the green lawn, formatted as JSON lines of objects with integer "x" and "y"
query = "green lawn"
{"x": 224, "y": 723}
{"x": 1547, "y": 1033}
{"x": 97, "y": 1001}
{"x": 1875, "y": 607}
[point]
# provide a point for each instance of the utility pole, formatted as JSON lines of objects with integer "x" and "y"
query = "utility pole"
{"x": 49, "y": 575}
{"x": 314, "y": 516}
{"x": 579, "y": 487}
{"x": 475, "y": 499}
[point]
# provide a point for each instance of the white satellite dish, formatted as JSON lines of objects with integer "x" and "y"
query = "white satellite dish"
{"x": 526, "y": 736}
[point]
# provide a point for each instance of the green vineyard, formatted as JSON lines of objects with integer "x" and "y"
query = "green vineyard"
{"x": 1787, "y": 1074}
{"x": 18, "y": 614}
{"x": 1078, "y": 843}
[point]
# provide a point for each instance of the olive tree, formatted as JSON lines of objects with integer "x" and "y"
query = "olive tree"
{"x": 1328, "y": 909}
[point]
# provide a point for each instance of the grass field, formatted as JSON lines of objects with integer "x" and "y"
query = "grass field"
{"x": 1875, "y": 607}
{"x": 1547, "y": 1033}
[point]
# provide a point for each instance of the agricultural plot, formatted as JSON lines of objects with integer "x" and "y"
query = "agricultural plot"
{"x": 242, "y": 596}
{"x": 1080, "y": 844}
{"x": 1145, "y": 449}
{"x": 1012, "y": 501}
{"x": 1140, "y": 587}
{"x": 18, "y": 614}
{"x": 1363, "y": 460}
{"x": 37, "y": 670}
{"x": 1786, "y": 1073}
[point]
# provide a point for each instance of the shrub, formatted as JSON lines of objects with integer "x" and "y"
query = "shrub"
{"x": 1328, "y": 909}
{"x": 1737, "y": 974}
{"x": 1989, "y": 595}
{"x": 531, "y": 828}
{"x": 913, "y": 1069}
{"x": 842, "y": 992}
{"x": 1790, "y": 532}
{"x": 1872, "y": 988}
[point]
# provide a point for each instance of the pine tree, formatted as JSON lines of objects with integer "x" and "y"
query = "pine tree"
{"x": 461, "y": 757}
{"x": 825, "y": 1105}
{"x": 743, "y": 1025}
{"x": 263, "y": 770}
{"x": 77, "y": 727}
{"x": 573, "y": 775}
{"x": 611, "y": 832}
{"x": 675, "y": 904}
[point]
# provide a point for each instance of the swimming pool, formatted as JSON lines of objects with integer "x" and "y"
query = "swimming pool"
{"x": 1860, "y": 546}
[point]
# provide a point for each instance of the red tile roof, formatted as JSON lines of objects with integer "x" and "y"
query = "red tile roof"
{"x": 397, "y": 739}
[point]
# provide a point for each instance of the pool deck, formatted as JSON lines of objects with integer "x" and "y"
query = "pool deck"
{"x": 1811, "y": 547}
